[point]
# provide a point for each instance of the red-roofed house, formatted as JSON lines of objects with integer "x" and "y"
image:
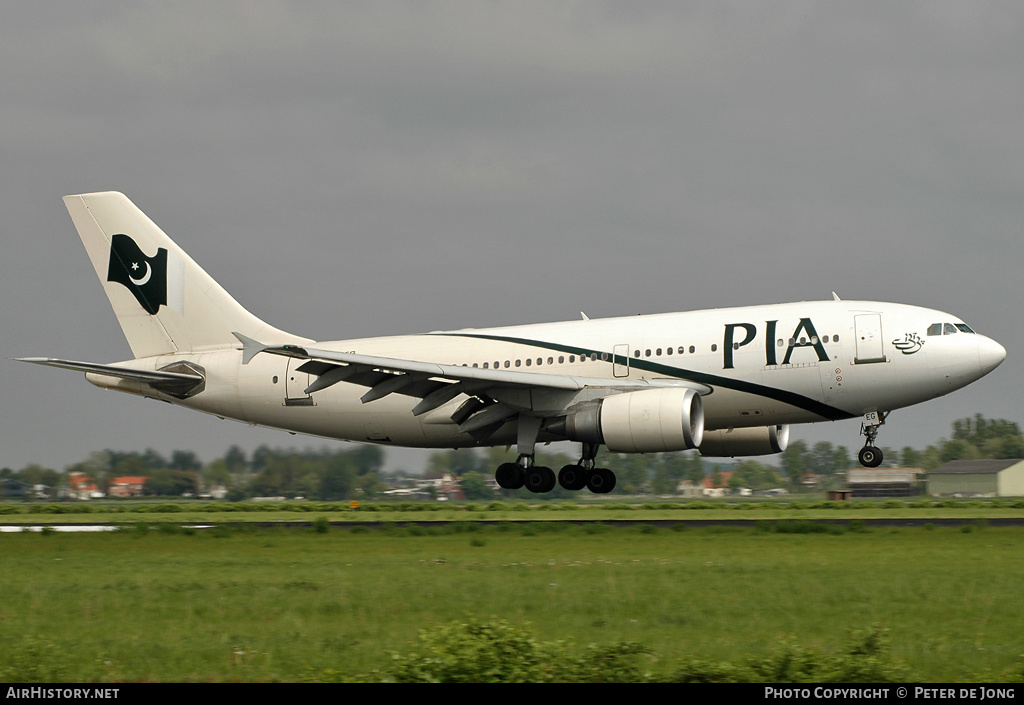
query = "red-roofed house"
{"x": 81, "y": 486}
{"x": 128, "y": 486}
{"x": 711, "y": 489}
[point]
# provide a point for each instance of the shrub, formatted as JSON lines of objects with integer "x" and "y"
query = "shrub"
{"x": 864, "y": 660}
{"x": 498, "y": 652}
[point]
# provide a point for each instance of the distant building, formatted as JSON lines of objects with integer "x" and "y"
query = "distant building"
{"x": 218, "y": 492}
{"x": 81, "y": 486}
{"x": 129, "y": 486}
{"x": 883, "y": 482}
{"x": 687, "y": 489}
{"x": 978, "y": 478}
{"x": 717, "y": 484}
{"x": 9, "y": 487}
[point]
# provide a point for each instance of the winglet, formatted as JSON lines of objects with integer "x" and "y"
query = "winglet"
{"x": 835, "y": 296}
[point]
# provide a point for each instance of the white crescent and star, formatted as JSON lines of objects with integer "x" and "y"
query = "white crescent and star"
{"x": 145, "y": 277}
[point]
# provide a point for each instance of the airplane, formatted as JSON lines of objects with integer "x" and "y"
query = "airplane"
{"x": 727, "y": 382}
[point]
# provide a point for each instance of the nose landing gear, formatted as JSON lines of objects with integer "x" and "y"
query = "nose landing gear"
{"x": 870, "y": 456}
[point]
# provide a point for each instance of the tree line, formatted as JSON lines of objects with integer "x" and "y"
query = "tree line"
{"x": 347, "y": 472}
{"x": 326, "y": 474}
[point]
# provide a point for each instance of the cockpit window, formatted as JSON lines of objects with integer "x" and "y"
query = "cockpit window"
{"x": 948, "y": 328}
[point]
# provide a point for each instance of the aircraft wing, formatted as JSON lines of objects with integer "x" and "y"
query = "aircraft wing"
{"x": 500, "y": 394}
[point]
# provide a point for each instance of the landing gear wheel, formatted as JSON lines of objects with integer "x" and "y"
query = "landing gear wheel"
{"x": 572, "y": 477}
{"x": 600, "y": 481}
{"x": 539, "y": 479}
{"x": 870, "y": 456}
{"x": 509, "y": 476}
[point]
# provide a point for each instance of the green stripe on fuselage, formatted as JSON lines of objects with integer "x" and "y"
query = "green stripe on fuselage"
{"x": 781, "y": 395}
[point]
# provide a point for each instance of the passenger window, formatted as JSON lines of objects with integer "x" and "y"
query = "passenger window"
{"x": 935, "y": 329}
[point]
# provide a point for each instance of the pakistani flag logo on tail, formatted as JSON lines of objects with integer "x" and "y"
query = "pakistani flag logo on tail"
{"x": 145, "y": 277}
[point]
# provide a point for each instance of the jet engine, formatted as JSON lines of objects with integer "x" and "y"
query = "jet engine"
{"x": 734, "y": 442}
{"x": 648, "y": 421}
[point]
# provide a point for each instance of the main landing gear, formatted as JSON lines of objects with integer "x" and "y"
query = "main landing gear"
{"x": 870, "y": 456}
{"x": 539, "y": 479}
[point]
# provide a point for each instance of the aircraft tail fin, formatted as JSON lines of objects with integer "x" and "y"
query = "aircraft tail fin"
{"x": 164, "y": 301}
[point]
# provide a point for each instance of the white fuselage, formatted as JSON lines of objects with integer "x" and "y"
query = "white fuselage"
{"x": 765, "y": 365}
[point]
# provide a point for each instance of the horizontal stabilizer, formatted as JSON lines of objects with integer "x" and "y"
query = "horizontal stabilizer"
{"x": 177, "y": 383}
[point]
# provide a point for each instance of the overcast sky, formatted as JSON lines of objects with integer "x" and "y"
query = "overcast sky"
{"x": 356, "y": 169}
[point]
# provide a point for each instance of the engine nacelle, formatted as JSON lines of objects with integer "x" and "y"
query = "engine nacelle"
{"x": 735, "y": 442}
{"x": 648, "y": 421}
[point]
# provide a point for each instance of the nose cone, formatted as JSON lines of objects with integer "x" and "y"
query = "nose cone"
{"x": 990, "y": 354}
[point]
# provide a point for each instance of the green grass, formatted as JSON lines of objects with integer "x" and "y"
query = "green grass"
{"x": 159, "y": 604}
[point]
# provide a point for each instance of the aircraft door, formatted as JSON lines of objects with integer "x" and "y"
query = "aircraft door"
{"x": 868, "y": 333}
{"x": 295, "y": 384}
{"x": 620, "y": 360}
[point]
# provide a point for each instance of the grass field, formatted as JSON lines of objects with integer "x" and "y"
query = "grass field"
{"x": 286, "y": 604}
{"x": 632, "y": 509}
